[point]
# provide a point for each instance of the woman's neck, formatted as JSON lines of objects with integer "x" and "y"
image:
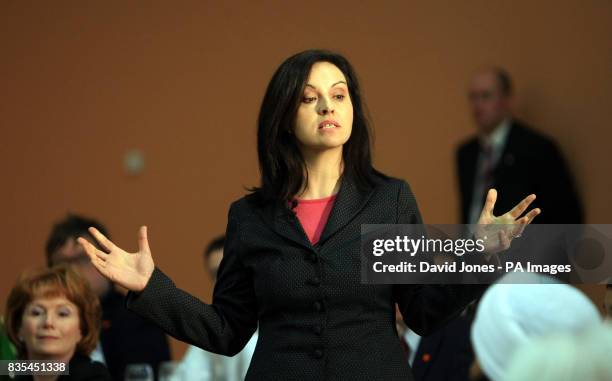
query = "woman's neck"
{"x": 324, "y": 171}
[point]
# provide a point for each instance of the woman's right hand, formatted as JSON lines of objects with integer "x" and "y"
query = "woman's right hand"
{"x": 129, "y": 270}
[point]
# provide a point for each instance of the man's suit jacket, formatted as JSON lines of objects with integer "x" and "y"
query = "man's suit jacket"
{"x": 317, "y": 321}
{"x": 446, "y": 354}
{"x": 127, "y": 338}
{"x": 530, "y": 163}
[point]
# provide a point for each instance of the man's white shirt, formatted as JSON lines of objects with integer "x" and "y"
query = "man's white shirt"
{"x": 201, "y": 365}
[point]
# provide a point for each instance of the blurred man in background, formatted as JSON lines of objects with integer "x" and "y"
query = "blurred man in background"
{"x": 125, "y": 338}
{"x": 200, "y": 365}
{"x": 508, "y": 155}
{"x": 511, "y": 157}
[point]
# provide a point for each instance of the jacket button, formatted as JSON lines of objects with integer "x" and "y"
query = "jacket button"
{"x": 312, "y": 257}
{"x": 318, "y": 305}
{"x": 315, "y": 281}
{"x": 318, "y": 353}
{"x": 317, "y": 328}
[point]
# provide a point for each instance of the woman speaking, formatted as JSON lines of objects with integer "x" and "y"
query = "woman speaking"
{"x": 291, "y": 261}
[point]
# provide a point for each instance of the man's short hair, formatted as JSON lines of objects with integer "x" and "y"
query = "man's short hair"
{"x": 71, "y": 227}
{"x": 504, "y": 80}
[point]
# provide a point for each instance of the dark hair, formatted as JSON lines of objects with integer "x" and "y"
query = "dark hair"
{"x": 70, "y": 227}
{"x": 282, "y": 167}
{"x": 504, "y": 80}
{"x": 215, "y": 244}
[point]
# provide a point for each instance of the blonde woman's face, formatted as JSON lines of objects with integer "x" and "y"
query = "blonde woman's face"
{"x": 326, "y": 97}
{"x": 50, "y": 328}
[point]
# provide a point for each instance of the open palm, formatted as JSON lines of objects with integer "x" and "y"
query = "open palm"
{"x": 129, "y": 270}
{"x": 498, "y": 231}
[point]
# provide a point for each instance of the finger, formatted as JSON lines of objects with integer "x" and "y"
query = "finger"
{"x": 522, "y": 206}
{"x": 105, "y": 242}
{"x": 532, "y": 214}
{"x": 101, "y": 266}
{"x": 526, "y": 220}
{"x": 97, "y": 258}
{"x": 91, "y": 250}
{"x": 143, "y": 241}
{"x": 519, "y": 228}
{"x": 490, "y": 202}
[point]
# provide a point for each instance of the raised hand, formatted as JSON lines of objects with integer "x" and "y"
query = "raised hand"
{"x": 501, "y": 230}
{"x": 129, "y": 270}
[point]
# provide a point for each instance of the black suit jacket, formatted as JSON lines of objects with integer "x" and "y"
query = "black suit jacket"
{"x": 530, "y": 163}
{"x": 127, "y": 338}
{"x": 317, "y": 321}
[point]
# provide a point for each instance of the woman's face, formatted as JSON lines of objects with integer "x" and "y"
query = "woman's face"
{"x": 50, "y": 327}
{"x": 325, "y": 116}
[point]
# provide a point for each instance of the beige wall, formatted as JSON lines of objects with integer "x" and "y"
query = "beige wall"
{"x": 81, "y": 83}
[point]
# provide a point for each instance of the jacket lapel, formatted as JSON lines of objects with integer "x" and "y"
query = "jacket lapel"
{"x": 349, "y": 201}
{"x": 285, "y": 222}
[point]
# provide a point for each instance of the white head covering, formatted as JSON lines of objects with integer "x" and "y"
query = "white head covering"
{"x": 509, "y": 315}
{"x": 565, "y": 357}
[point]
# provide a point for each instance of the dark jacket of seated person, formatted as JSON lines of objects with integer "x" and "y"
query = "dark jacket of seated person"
{"x": 126, "y": 338}
{"x": 81, "y": 368}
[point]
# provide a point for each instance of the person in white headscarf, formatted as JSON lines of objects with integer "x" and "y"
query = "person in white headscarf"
{"x": 521, "y": 307}
{"x": 566, "y": 357}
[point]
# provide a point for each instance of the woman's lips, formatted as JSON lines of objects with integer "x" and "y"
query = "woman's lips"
{"x": 328, "y": 124}
{"x": 47, "y": 337}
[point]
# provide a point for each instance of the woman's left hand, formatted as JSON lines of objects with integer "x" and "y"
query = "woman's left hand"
{"x": 498, "y": 232}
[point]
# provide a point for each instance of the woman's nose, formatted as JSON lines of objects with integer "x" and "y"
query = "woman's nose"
{"x": 326, "y": 107}
{"x": 48, "y": 320}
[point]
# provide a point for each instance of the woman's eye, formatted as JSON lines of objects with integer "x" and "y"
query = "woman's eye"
{"x": 35, "y": 311}
{"x": 64, "y": 313}
{"x": 340, "y": 96}
{"x": 308, "y": 99}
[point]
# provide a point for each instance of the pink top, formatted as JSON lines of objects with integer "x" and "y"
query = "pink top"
{"x": 313, "y": 215}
